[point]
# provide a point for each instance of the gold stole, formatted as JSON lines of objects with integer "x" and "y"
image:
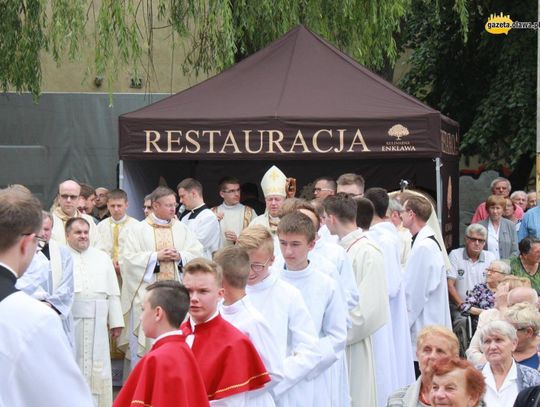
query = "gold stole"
{"x": 116, "y": 228}
{"x": 60, "y": 213}
{"x": 273, "y": 223}
{"x": 163, "y": 237}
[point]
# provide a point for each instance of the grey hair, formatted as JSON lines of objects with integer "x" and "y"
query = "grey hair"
{"x": 46, "y": 214}
{"x": 516, "y": 193}
{"x": 500, "y": 179}
{"x": 497, "y": 327}
{"x": 477, "y": 229}
{"x": 394, "y": 205}
{"x": 502, "y": 265}
{"x": 523, "y": 315}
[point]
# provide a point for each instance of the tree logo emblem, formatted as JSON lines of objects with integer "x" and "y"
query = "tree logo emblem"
{"x": 398, "y": 131}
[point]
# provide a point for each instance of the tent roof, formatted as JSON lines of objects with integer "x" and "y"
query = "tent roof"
{"x": 299, "y": 76}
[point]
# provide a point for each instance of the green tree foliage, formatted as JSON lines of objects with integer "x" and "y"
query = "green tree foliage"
{"x": 218, "y": 33}
{"x": 486, "y": 82}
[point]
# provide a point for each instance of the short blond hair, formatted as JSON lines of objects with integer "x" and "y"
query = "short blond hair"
{"x": 438, "y": 330}
{"x": 234, "y": 263}
{"x": 256, "y": 237}
{"x": 523, "y": 315}
{"x": 204, "y": 266}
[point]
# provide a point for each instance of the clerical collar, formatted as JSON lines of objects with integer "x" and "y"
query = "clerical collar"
{"x": 193, "y": 213}
{"x": 124, "y": 218}
{"x": 9, "y": 268}
{"x": 170, "y": 333}
{"x": 159, "y": 221}
{"x": 194, "y": 324}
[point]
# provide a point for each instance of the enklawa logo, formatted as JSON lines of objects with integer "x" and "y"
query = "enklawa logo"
{"x": 398, "y": 131}
{"x": 499, "y": 24}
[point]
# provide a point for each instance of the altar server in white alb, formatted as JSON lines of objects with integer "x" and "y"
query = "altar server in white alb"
{"x": 109, "y": 229}
{"x": 237, "y": 309}
{"x": 96, "y": 307}
{"x": 154, "y": 249}
{"x": 296, "y": 233}
{"x": 284, "y": 309}
{"x": 68, "y": 196}
{"x": 197, "y": 217}
{"x": 49, "y": 277}
{"x": 232, "y": 215}
{"x": 426, "y": 289}
{"x": 387, "y": 238}
{"x": 36, "y": 363}
{"x": 274, "y": 187}
{"x": 372, "y": 311}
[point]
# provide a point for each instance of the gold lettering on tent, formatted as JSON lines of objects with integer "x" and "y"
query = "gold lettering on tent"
{"x": 230, "y": 141}
{"x": 316, "y": 142}
{"x": 171, "y": 141}
{"x": 192, "y": 141}
{"x": 154, "y": 142}
{"x": 341, "y": 141}
{"x": 277, "y": 142}
{"x": 299, "y": 140}
{"x": 211, "y": 133}
{"x": 247, "y": 134}
{"x": 361, "y": 142}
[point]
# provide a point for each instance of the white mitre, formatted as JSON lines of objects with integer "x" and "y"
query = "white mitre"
{"x": 274, "y": 182}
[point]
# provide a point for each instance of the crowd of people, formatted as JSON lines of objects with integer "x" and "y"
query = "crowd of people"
{"x": 348, "y": 299}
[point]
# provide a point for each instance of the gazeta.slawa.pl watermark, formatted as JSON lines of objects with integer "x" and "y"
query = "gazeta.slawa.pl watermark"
{"x": 501, "y": 24}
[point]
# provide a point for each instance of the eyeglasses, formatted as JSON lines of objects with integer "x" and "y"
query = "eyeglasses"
{"x": 66, "y": 197}
{"x": 322, "y": 189}
{"x": 41, "y": 242}
{"x": 168, "y": 206}
{"x": 259, "y": 266}
{"x": 490, "y": 270}
{"x": 231, "y": 191}
{"x": 475, "y": 240}
{"x": 147, "y": 207}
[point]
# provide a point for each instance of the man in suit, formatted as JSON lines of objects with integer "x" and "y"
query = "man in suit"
{"x": 33, "y": 347}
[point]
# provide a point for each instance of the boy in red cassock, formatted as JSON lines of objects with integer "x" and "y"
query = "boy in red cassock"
{"x": 169, "y": 374}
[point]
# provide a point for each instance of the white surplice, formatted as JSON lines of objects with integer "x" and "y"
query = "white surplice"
{"x": 37, "y": 364}
{"x": 394, "y": 365}
{"x": 52, "y": 282}
{"x": 206, "y": 227}
{"x": 95, "y": 309}
{"x": 329, "y": 314}
{"x": 245, "y": 317}
{"x": 137, "y": 261}
{"x": 284, "y": 309}
{"x": 235, "y": 219}
{"x": 371, "y": 313}
{"x": 426, "y": 289}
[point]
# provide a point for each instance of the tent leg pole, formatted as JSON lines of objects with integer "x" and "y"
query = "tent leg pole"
{"x": 121, "y": 174}
{"x": 438, "y": 182}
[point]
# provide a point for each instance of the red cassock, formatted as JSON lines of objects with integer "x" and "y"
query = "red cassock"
{"x": 227, "y": 359}
{"x": 167, "y": 376}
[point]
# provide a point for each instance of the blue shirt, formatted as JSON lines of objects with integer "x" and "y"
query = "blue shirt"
{"x": 530, "y": 226}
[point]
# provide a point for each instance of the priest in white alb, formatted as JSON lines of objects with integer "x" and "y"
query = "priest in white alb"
{"x": 154, "y": 249}
{"x": 372, "y": 311}
{"x": 232, "y": 215}
{"x": 96, "y": 310}
{"x": 109, "y": 229}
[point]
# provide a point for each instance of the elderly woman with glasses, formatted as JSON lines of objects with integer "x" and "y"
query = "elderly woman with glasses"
{"x": 502, "y": 238}
{"x": 526, "y": 319}
{"x": 504, "y": 377}
{"x": 482, "y": 296}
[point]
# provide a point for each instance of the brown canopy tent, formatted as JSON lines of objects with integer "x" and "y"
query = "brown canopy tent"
{"x": 301, "y": 102}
